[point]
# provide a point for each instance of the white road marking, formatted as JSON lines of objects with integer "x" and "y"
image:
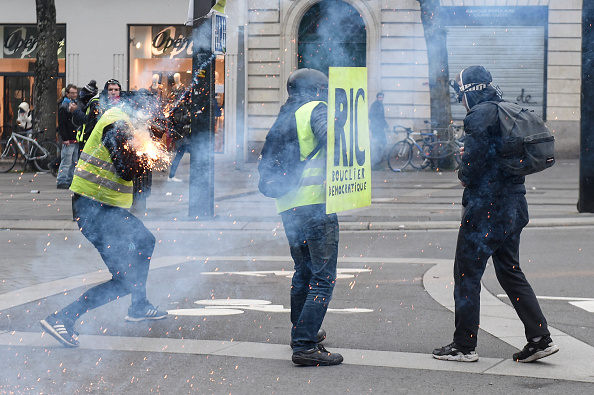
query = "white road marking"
{"x": 586, "y": 305}
{"x": 281, "y": 352}
{"x": 572, "y": 362}
{"x": 583, "y": 303}
{"x": 237, "y": 306}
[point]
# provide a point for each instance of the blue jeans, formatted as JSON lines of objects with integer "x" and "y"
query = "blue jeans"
{"x": 313, "y": 241}
{"x": 69, "y": 157}
{"x": 491, "y": 227}
{"x": 126, "y": 247}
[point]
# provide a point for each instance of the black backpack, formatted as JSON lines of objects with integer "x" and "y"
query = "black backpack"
{"x": 280, "y": 164}
{"x": 527, "y": 145}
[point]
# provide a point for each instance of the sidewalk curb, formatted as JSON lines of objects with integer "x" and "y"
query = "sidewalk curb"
{"x": 64, "y": 225}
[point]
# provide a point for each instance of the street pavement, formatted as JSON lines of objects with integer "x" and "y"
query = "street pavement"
{"x": 225, "y": 281}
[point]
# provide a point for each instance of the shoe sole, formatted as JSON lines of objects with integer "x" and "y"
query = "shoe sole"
{"x": 540, "y": 354}
{"x": 457, "y": 358}
{"x": 134, "y": 319}
{"x": 316, "y": 362}
{"x": 51, "y": 331}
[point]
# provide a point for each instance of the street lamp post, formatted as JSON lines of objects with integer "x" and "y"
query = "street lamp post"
{"x": 586, "y": 192}
{"x": 201, "y": 147}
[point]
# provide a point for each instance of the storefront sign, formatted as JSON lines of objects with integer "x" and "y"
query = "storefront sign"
{"x": 20, "y": 42}
{"x": 171, "y": 42}
{"x": 348, "y": 170}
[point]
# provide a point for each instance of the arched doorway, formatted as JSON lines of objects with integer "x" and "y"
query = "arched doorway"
{"x": 332, "y": 33}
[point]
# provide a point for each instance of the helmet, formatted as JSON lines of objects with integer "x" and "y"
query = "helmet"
{"x": 308, "y": 82}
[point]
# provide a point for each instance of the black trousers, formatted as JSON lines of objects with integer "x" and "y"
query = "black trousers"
{"x": 491, "y": 227}
{"x": 126, "y": 247}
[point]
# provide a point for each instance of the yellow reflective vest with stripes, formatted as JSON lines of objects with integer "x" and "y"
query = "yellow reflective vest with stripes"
{"x": 95, "y": 176}
{"x": 312, "y": 184}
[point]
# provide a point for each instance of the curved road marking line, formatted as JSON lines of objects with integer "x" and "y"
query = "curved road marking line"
{"x": 572, "y": 362}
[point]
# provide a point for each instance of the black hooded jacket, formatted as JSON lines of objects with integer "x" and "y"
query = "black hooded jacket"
{"x": 479, "y": 171}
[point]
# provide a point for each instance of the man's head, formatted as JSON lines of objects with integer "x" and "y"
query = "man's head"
{"x": 473, "y": 85}
{"x": 308, "y": 82}
{"x": 113, "y": 88}
{"x": 380, "y": 96}
{"x": 71, "y": 92}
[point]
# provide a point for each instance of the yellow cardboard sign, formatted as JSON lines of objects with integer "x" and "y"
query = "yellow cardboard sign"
{"x": 348, "y": 174}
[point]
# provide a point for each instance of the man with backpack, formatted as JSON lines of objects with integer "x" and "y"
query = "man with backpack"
{"x": 494, "y": 213}
{"x": 294, "y": 155}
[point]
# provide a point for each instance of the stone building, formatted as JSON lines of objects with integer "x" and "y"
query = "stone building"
{"x": 532, "y": 47}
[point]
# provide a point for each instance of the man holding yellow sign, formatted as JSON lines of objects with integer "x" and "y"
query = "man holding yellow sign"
{"x": 292, "y": 170}
{"x": 310, "y": 186}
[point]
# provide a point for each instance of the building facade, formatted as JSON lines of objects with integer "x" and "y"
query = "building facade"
{"x": 532, "y": 47}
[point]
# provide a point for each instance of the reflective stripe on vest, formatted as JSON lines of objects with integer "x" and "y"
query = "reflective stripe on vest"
{"x": 312, "y": 185}
{"x": 95, "y": 176}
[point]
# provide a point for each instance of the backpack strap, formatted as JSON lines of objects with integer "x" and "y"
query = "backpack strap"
{"x": 314, "y": 152}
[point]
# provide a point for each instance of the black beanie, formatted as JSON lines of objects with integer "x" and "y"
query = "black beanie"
{"x": 476, "y": 75}
{"x": 91, "y": 87}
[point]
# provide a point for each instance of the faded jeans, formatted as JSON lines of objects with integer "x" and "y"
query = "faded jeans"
{"x": 313, "y": 242}
{"x": 69, "y": 157}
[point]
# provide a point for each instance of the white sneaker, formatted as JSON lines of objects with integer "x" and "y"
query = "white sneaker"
{"x": 174, "y": 179}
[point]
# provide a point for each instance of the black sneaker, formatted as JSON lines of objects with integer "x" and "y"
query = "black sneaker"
{"x": 536, "y": 350}
{"x": 320, "y": 337}
{"x": 145, "y": 312}
{"x": 317, "y": 356}
{"x": 452, "y": 352}
{"x": 62, "y": 330}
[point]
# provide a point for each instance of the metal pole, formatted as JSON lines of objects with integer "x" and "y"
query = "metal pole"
{"x": 201, "y": 148}
{"x": 586, "y": 193}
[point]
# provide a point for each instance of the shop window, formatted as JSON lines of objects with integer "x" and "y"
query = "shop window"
{"x": 161, "y": 61}
{"x": 321, "y": 47}
{"x": 17, "y": 70}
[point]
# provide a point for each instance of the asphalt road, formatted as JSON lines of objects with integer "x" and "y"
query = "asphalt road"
{"x": 226, "y": 284}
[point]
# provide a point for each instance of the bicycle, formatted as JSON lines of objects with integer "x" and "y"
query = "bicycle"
{"x": 420, "y": 153}
{"x": 18, "y": 145}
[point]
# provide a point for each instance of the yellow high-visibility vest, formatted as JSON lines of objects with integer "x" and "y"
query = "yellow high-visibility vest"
{"x": 80, "y": 134}
{"x": 312, "y": 184}
{"x": 95, "y": 176}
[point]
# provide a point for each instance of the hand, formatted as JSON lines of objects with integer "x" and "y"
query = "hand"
{"x": 71, "y": 107}
{"x": 462, "y": 150}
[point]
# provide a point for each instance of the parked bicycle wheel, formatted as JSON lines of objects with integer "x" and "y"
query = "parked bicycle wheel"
{"x": 8, "y": 156}
{"x": 417, "y": 159}
{"x": 441, "y": 149}
{"x": 399, "y": 156}
{"x": 53, "y": 151}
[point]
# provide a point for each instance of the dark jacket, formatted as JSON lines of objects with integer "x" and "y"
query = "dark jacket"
{"x": 66, "y": 128}
{"x": 377, "y": 119}
{"x": 87, "y": 117}
{"x": 479, "y": 171}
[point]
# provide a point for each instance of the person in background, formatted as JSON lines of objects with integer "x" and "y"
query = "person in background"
{"x": 87, "y": 113}
{"x": 67, "y": 132}
{"x": 102, "y": 189}
{"x": 25, "y": 117}
{"x": 494, "y": 213}
{"x": 377, "y": 126}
